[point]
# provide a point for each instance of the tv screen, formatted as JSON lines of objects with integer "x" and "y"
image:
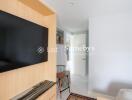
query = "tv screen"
{"x": 22, "y": 43}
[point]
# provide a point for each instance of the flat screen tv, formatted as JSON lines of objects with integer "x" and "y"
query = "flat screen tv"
{"x": 22, "y": 43}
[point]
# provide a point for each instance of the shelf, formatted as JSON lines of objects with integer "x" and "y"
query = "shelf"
{"x": 34, "y": 92}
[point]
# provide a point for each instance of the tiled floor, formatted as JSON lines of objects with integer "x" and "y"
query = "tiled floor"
{"x": 79, "y": 85}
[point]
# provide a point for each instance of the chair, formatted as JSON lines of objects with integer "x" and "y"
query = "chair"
{"x": 63, "y": 78}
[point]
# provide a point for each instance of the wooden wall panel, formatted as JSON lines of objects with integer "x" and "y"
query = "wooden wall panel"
{"x": 49, "y": 95}
{"x": 38, "y": 6}
{"x": 15, "y": 81}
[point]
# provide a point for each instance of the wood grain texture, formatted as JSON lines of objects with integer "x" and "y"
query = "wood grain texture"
{"x": 49, "y": 95}
{"x": 15, "y": 81}
{"x": 38, "y": 6}
{"x": 74, "y": 96}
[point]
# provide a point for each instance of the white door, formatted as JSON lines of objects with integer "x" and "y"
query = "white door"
{"x": 79, "y": 55}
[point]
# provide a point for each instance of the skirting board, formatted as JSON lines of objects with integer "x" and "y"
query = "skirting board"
{"x": 99, "y": 95}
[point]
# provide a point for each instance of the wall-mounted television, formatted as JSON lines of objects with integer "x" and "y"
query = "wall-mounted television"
{"x": 22, "y": 43}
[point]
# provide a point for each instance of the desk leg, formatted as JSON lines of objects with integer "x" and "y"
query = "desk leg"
{"x": 60, "y": 85}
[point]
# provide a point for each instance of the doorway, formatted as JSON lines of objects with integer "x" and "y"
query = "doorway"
{"x": 78, "y": 63}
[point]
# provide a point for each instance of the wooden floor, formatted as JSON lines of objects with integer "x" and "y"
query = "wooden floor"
{"x": 73, "y": 96}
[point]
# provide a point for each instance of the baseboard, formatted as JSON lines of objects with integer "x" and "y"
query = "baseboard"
{"x": 95, "y": 95}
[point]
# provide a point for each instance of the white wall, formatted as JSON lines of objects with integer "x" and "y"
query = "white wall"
{"x": 110, "y": 64}
{"x": 61, "y": 54}
{"x": 69, "y": 63}
{"x": 61, "y": 51}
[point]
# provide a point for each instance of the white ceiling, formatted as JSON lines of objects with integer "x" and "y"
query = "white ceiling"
{"x": 72, "y": 15}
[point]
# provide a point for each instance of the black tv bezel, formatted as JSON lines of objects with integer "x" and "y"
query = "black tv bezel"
{"x": 13, "y": 67}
